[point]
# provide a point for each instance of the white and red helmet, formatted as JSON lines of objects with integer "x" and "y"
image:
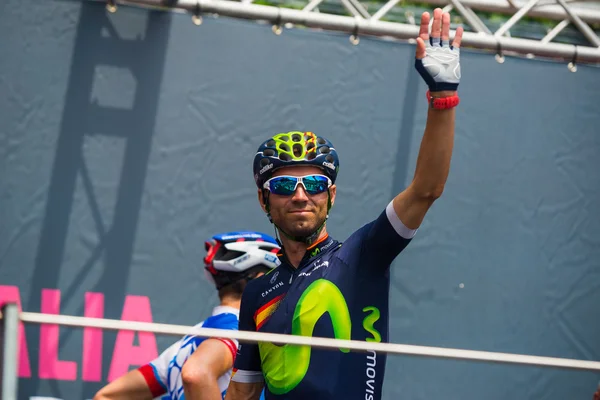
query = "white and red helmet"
{"x": 238, "y": 255}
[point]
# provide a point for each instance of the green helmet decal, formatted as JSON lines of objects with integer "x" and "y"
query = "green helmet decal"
{"x": 321, "y": 297}
{"x": 296, "y": 145}
{"x": 291, "y": 149}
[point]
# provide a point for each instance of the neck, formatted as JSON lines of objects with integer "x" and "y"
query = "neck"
{"x": 294, "y": 251}
{"x": 230, "y": 301}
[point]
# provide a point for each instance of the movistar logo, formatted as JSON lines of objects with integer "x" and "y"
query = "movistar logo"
{"x": 317, "y": 250}
{"x": 285, "y": 366}
{"x": 369, "y": 321}
{"x": 370, "y": 371}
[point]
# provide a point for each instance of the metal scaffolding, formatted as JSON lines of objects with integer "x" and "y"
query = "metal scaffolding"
{"x": 362, "y": 23}
{"x": 588, "y": 11}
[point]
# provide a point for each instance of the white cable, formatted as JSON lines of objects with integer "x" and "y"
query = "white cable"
{"x": 245, "y": 336}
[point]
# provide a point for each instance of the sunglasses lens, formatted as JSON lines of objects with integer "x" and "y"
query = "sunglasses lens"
{"x": 283, "y": 186}
{"x": 315, "y": 184}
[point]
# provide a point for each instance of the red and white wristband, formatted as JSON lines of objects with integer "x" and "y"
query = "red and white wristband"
{"x": 442, "y": 103}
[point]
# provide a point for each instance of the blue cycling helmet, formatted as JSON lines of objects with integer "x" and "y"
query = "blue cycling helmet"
{"x": 295, "y": 148}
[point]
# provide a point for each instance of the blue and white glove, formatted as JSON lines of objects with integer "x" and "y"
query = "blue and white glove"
{"x": 437, "y": 62}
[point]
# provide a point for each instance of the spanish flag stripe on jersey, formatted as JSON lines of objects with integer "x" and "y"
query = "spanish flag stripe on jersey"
{"x": 263, "y": 313}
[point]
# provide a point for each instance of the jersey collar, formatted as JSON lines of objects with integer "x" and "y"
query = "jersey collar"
{"x": 313, "y": 251}
{"x": 225, "y": 310}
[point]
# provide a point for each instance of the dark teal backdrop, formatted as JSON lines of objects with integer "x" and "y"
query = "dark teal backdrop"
{"x": 126, "y": 140}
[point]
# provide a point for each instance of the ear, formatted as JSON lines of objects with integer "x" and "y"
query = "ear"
{"x": 332, "y": 192}
{"x": 261, "y": 201}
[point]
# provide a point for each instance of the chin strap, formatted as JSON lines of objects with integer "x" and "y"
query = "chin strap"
{"x": 308, "y": 239}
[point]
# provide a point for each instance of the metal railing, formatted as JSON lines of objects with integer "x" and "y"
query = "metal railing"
{"x": 11, "y": 318}
{"x": 364, "y": 24}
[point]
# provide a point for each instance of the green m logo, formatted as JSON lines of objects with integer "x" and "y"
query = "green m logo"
{"x": 285, "y": 366}
{"x": 369, "y": 321}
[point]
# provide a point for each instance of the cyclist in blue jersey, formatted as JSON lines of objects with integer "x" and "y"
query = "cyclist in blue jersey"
{"x": 195, "y": 367}
{"x": 324, "y": 287}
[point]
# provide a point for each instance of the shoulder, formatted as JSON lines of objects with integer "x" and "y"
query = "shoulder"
{"x": 370, "y": 232}
{"x": 256, "y": 286}
{"x": 355, "y": 240}
{"x": 387, "y": 226}
{"x": 264, "y": 289}
{"x": 225, "y": 320}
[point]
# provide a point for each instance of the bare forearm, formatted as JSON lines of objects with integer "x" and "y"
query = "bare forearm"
{"x": 438, "y": 64}
{"x": 433, "y": 162}
{"x": 122, "y": 396}
{"x": 244, "y": 391}
{"x": 205, "y": 389}
{"x": 131, "y": 386}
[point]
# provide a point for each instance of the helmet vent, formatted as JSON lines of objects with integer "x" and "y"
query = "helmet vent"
{"x": 310, "y": 146}
{"x": 284, "y": 147}
{"x": 269, "y": 153}
{"x": 271, "y": 143}
{"x": 311, "y": 156}
{"x": 224, "y": 254}
{"x": 329, "y": 158}
{"x": 266, "y": 248}
{"x": 324, "y": 149}
{"x": 264, "y": 162}
{"x": 285, "y": 157}
{"x": 297, "y": 149}
{"x": 320, "y": 140}
{"x": 296, "y": 138}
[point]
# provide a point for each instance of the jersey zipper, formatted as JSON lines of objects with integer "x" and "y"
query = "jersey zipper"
{"x": 293, "y": 275}
{"x": 295, "y": 272}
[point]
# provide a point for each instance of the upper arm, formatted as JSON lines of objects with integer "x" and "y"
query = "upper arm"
{"x": 131, "y": 386}
{"x": 244, "y": 391}
{"x": 210, "y": 360}
{"x": 411, "y": 208}
{"x": 247, "y": 366}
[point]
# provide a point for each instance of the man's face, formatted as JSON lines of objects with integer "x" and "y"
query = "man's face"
{"x": 301, "y": 213}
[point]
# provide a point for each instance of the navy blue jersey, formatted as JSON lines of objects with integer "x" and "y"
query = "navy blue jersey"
{"x": 339, "y": 290}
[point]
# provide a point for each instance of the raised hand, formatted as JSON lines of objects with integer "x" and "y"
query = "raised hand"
{"x": 436, "y": 60}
